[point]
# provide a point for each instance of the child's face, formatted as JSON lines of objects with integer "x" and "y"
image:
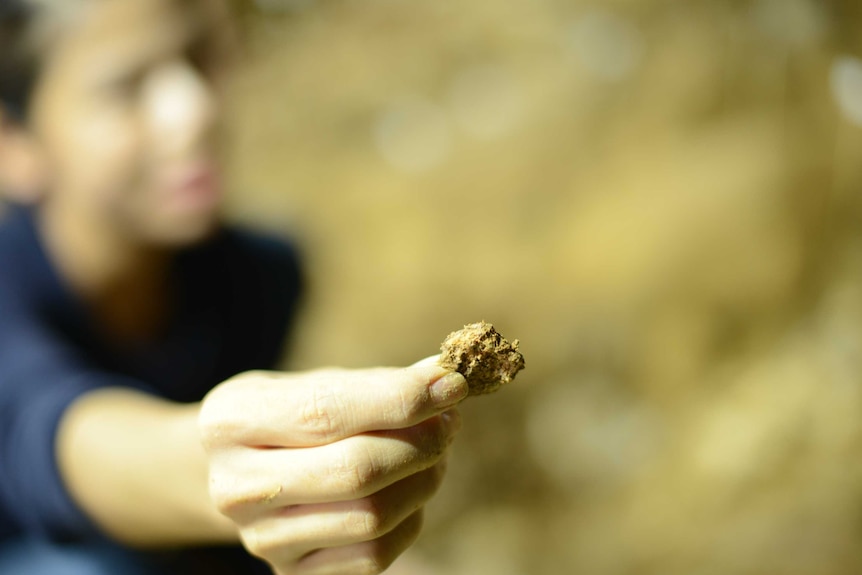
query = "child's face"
{"x": 124, "y": 116}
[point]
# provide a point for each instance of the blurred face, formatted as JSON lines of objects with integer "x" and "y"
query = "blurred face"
{"x": 124, "y": 116}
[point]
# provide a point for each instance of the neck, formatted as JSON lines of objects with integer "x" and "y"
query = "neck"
{"x": 123, "y": 282}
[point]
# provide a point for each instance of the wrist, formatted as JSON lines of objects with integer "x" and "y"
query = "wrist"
{"x": 202, "y": 512}
{"x": 135, "y": 464}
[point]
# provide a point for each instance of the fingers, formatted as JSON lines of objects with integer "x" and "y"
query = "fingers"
{"x": 312, "y": 527}
{"x": 327, "y": 472}
{"x": 311, "y": 409}
{"x": 366, "y": 558}
{"x": 246, "y": 482}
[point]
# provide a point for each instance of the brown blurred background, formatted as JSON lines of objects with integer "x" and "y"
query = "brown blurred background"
{"x": 660, "y": 198}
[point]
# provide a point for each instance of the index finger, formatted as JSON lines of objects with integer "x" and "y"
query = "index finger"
{"x": 316, "y": 408}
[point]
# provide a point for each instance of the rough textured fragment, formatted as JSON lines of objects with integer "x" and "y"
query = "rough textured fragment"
{"x": 482, "y": 356}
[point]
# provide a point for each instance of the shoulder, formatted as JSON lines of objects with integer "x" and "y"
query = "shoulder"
{"x": 20, "y": 250}
{"x": 260, "y": 246}
{"x": 261, "y": 254}
{"x": 257, "y": 281}
{"x": 12, "y": 232}
{"x": 255, "y": 265}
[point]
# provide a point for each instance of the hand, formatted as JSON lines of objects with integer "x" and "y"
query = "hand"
{"x": 327, "y": 472}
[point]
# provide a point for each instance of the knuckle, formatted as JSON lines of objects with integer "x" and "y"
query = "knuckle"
{"x": 217, "y": 420}
{"x": 254, "y": 542}
{"x": 223, "y": 498}
{"x": 374, "y": 525}
{"x": 409, "y": 405}
{"x": 355, "y": 475}
{"x": 218, "y": 432}
{"x": 210, "y": 422}
{"x": 372, "y": 563}
{"x": 229, "y": 496}
{"x": 261, "y": 542}
{"x": 379, "y": 554}
{"x": 414, "y": 524}
{"x": 321, "y": 413}
{"x": 356, "y": 478}
{"x": 368, "y": 520}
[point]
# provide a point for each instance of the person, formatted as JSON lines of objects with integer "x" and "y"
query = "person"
{"x": 141, "y": 429}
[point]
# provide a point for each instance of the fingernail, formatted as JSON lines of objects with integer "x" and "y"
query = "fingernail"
{"x": 449, "y": 389}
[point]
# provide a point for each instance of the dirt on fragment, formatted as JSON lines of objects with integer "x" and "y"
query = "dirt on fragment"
{"x": 482, "y": 356}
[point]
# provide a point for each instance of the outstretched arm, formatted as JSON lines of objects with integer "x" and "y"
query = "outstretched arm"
{"x": 136, "y": 465}
{"x": 319, "y": 470}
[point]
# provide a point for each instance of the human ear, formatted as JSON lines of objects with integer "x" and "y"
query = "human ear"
{"x": 22, "y": 166}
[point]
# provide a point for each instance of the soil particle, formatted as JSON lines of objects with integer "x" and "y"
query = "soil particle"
{"x": 482, "y": 356}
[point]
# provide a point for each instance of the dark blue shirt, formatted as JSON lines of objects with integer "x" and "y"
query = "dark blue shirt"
{"x": 235, "y": 297}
